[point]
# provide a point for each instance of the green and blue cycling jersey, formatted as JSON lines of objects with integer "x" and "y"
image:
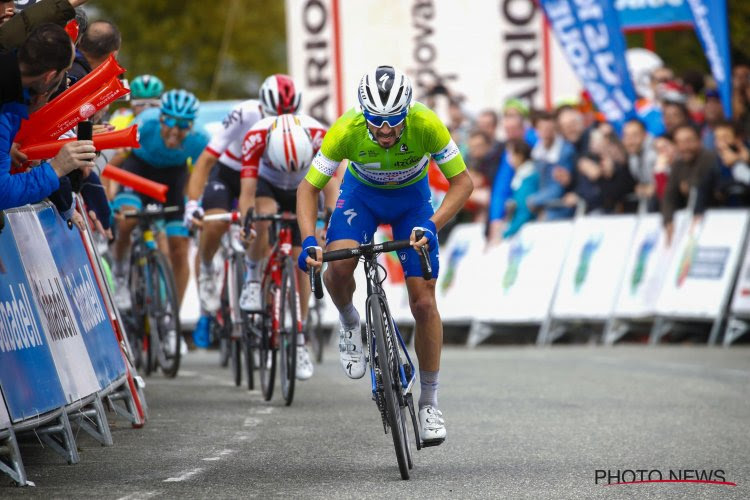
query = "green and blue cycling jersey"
{"x": 154, "y": 152}
{"x": 404, "y": 164}
{"x": 385, "y": 186}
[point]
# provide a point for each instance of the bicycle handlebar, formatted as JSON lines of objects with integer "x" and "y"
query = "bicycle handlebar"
{"x": 233, "y": 217}
{"x": 365, "y": 250}
{"x": 151, "y": 213}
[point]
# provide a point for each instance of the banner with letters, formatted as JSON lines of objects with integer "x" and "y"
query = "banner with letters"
{"x": 703, "y": 267}
{"x": 28, "y": 376}
{"x": 710, "y": 19}
{"x": 69, "y": 352}
{"x": 590, "y": 34}
{"x": 519, "y": 277}
{"x": 437, "y": 43}
{"x": 642, "y": 14}
{"x": 84, "y": 294}
{"x": 590, "y": 276}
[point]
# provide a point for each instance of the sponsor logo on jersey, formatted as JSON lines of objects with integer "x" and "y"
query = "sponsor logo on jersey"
{"x": 404, "y": 148}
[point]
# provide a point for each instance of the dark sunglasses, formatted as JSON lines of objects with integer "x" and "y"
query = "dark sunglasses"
{"x": 377, "y": 121}
{"x": 171, "y": 121}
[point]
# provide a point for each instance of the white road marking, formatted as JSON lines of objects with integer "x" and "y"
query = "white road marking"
{"x": 184, "y": 475}
{"x": 139, "y": 495}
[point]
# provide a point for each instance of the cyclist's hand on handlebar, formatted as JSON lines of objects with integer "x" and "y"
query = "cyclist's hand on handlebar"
{"x": 193, "y": 214}
{"x": 429, "y": 238}
{"x": 304, "y": 261}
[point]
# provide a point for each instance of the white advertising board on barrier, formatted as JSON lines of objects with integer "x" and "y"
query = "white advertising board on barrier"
{"x": 741, "y": 297}
{"x": 461, "y": 267}
{"x": 332, "y": 43}
{"x": 520, "y": 274}
{"x": 590, "y": 276}
{"x": 703, "y": 268}
{"x": 4, "y": 417}
{"x": 69, "y": 352}
{"x": 646, "y": 266}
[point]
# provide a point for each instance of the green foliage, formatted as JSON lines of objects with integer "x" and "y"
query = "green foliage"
{"x": 180, "y": 41}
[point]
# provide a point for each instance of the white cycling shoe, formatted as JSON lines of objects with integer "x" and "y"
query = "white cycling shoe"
{"x": 304, "y": 363}
{"x": 250, "y": 297}
{"x": 352, "y": 357}
{"x": 122, "y": 294}
{"x": 208, "y": 292}
{"x": 431, "y": 426}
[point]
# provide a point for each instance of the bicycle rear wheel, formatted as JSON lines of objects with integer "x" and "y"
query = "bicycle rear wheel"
{"x": 387, "y": 363}
{"x": 165, "y": 334}
{"x": 247, "y": 347}
{"x": 290, "y": 328}
{"x": 136, "y": 319}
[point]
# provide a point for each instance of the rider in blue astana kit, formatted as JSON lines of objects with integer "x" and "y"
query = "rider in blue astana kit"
{"x": 168, "y": 145}
{"x": 388, "y": 141}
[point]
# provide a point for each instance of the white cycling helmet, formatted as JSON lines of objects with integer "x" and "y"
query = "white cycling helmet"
{"x": 289, "y": 147}
{"x": 278, "y": 95}
{"x": 385, "y": 91}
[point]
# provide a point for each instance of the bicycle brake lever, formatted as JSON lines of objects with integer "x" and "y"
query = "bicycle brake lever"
{"x": 315, "y": 282}
{"x": 424, "y": 257}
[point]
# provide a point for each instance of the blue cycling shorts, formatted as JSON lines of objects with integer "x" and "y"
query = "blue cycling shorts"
{"x": 361, "y": 208}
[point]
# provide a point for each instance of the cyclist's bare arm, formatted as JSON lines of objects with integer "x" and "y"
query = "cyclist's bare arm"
{"x": 307, "y": 207}
{"x": 248, "y": 185}
{"x": 331, "y": 193}
{"x": 458, "y": 192}
{"x": 199, "y": 176}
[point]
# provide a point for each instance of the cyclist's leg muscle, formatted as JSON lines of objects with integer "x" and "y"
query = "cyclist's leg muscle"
{"x": 259, "y": 246}
{"x": 428, "y": 329}
{"x": 178, "y": 257}
{"x": 219, "y": 196}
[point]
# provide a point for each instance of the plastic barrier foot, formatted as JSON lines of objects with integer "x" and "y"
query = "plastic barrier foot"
{"x": 478, "y": 333}
{"x": 59, "y": 436}
{"x": 128, "y": 409}
{"x": 736, "y": 328}
{"x": 10, "y": 457}
{"x": 614, "y": 330}
{"x": 92, "y": 419}
{"x": 660, "y": 328}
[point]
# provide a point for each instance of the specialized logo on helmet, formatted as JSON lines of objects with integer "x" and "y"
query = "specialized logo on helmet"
{"x": 383, "y": 81}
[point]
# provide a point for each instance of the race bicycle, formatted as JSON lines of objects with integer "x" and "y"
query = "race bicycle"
{"x": 279, "y": 325}
{"x": 155, "y": 315}
{"x": 234, "y": 336}
{"x": 392, "y": 372}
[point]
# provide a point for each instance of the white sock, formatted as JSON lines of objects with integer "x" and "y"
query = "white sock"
{"x": 428, "y": 381}
{"x": 253, "y": 269}
{"x": 349, "y": 317}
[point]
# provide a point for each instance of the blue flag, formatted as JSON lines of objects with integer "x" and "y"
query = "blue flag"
{"x": 711, "y": 27}
{"x": 590, "y": 35}
{"x": 642, "y": 14}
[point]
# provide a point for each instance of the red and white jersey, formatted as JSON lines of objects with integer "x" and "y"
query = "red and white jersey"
{"x": 255, "y": 161}
{"x": 227, "y": 144}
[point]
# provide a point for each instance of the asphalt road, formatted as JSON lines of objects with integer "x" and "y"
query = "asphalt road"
{"x": 523, "y": 422}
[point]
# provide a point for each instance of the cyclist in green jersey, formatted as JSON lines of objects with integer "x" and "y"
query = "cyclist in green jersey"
{"x": 388, "y": 142}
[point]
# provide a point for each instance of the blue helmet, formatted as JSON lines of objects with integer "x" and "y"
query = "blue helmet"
{"x": 180, "y": 104}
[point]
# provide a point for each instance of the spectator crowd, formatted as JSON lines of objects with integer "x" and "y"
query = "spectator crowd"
{"x": 680, "y": 151}
{"x": 39, "y": 61}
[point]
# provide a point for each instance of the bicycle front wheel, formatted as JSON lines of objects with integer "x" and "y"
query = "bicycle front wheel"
{"x": 290, "y": 328}
{"x": 166, "y": 315}
{"x": 387, "y": 364}
{"x": 266, "y": 351}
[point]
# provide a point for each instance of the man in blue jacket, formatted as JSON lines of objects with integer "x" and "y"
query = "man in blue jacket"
{"x": 27, "y": 78}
